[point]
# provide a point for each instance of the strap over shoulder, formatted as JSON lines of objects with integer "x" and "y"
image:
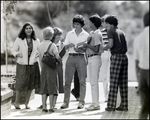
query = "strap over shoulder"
{"x": 49, "y": 47}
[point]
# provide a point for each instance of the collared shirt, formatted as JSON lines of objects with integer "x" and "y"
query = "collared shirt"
{"x": 72, "y": 37}
{"x": 141, "y": 49}
{"x": 96, "y": 40}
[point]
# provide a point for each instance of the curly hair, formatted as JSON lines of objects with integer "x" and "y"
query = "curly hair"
{"x": 112, "y": 19}
{"x": 22, "y": 33}
{"x": 79, "y": 18}
{"x": 96, "y": 20}
{"x": 48, "y": 33}
{"x": 57, "y": 31}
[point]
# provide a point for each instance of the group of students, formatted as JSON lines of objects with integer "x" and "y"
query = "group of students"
{"x": 84, "y": 58}
{"x": 105, "y": 46}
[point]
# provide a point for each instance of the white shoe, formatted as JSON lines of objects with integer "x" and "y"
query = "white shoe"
{"x": 92, "y": 107}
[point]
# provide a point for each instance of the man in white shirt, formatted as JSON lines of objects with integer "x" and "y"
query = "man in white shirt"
{"x": 76, "y": 61}
{"x": 141, "y": 55}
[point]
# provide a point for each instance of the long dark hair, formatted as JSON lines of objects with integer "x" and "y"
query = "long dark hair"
{"x": 22, "y": 33}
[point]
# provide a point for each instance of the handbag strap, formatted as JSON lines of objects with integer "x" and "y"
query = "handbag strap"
{"x": 49, "y": 47}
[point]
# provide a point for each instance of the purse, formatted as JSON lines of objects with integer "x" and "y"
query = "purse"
{"x": 49, "y": 59}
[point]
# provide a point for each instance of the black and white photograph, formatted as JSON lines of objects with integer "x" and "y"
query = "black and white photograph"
{"x": 74, "y": 59}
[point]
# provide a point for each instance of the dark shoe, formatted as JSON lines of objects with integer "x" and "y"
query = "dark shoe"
{"x": 17, "y": 107}
{"x": 77, "y": 99}
{"x": 51, "y": 110}
{"x": 44, "y": 110}
{"x": 64, "y": 105}
{"x": 109, "y": 109}
{"x": 121, "y": 109}
{"x": 41, "y": 106}
{"x": 80, "y": 105}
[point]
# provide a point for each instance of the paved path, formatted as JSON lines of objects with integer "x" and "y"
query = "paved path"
{"x": 73, "y": 113}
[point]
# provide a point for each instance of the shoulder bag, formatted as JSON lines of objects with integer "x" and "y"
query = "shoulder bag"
{"x": 49, "y": 59}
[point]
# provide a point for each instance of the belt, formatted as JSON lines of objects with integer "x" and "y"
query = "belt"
{"x": 76, "y": 54}
{"x": 91, "y": 55}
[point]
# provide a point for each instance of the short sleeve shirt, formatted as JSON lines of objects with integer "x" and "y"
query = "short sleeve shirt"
{"x": 96, "y": 40}
{"x": 119, "y": 41}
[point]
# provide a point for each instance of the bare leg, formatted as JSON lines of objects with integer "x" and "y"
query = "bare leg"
{"x": 44, "y": 98}
{"x": 54, "y": 100}
{"x": 51, "y": 101}
{"x": 28, "y": 94}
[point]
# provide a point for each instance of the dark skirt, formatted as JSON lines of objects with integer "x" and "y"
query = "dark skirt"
{"x": 37, "y": 78}
{"x": 49, "y": 83}
{"x": 27, "y": 77}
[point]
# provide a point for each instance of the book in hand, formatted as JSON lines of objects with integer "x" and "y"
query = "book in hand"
{"x": 62, "y": 52}
{"x": 80, "y": 45}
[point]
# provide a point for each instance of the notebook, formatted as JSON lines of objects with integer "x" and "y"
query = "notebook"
{"x": 62, "y": 52}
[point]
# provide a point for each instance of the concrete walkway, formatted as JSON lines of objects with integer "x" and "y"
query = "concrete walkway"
{"x": 73, "y": 113}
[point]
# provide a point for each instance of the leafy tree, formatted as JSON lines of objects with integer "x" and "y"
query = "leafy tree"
{"x": 90, "y": 7}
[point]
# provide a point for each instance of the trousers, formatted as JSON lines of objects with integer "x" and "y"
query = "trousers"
{"x": 75, "y": 63}
{"x": 94, "y": 64}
